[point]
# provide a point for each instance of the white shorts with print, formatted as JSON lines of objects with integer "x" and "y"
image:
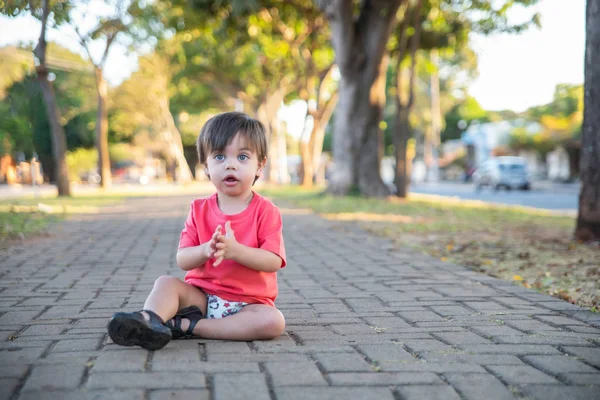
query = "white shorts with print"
{"x": 219, "y": 308}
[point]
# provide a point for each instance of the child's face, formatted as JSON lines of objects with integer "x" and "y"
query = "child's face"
{"x": 233, "y": 170}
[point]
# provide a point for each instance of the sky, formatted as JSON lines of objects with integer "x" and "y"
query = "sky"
{"x": 515, "y": 71}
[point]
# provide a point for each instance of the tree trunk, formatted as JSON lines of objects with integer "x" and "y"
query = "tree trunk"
{"x": 102, "y": 130}
{"x": 306, "y": 154}
{"x": 588, "y": 219}
{"x": 357, "y": 135}
{"x": 400, "y": 140}
{"x": 405, "y": 101}
{"x": 359, "y": 38}
{"x": 267, "y": 114}
{"x": 432, "y": 141}
{"x": 59, "y": 140}
{"x": 172, "y": 136}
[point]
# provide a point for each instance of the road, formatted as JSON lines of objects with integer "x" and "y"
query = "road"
{"x": 544, "y": 195}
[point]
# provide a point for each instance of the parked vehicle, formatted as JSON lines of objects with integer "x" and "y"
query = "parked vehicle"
{"x": 503, "y": 172}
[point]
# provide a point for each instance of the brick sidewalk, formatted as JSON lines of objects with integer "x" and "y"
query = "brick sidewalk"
{"x": 363, "y": 322}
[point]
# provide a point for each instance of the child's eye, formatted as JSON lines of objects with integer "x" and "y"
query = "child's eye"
{"x": 243, "y": 157}
{"x": 219, "y": 157}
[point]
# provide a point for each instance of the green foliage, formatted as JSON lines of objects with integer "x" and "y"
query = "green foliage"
{"x": 120, "y": 152}
{"x": 81, "y": 161}
{"x": 560, "y": 121}
{"x": 468, "y": 111}
{"x": 23, "y": 119}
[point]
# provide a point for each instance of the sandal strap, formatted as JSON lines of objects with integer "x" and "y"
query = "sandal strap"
{"x": 192, "y": 314}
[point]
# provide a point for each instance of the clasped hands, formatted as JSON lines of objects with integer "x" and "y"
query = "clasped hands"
{"x": 222, "y": 246}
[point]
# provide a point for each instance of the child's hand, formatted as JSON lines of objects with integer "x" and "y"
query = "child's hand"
{"x": 211, "y": 249}
{"x": 225, "y": 244}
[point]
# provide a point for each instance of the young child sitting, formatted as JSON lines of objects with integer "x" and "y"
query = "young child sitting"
{"x": 231, "y": 247}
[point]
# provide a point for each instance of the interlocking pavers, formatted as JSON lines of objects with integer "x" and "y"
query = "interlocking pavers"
{"x": 365, "y": 321}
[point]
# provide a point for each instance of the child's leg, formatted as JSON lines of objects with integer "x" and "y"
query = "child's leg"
{"x": 146, "y": 328}
{"x": 253, "y": 322}
{"x": 171, "y": 294}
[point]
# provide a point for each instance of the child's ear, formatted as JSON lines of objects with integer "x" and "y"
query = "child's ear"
{"x": 261, "y": 166}
{"x": 206, "y": 172}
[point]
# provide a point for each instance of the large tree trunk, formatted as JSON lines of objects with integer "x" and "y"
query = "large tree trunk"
{"x": 59, "y": 141}
{"x": 588, "y": 219}
{"x": 175, "y": 145}
{"x": 360, "y": 46}
{"x": 102, "y": 130}
{"x": 267, "y": 114}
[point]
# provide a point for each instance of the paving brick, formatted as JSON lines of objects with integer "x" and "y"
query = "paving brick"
{"x": 17, "y": 317}
{"x": 146, "y": 380}
{"x": 84, "y": 395}
{"x": 75, "y": 345}
{"x": 422, "y": 345}
{"x": 515, "y": 349}
{"x": 47, "y": 377}
{"x": 428, "y": 392}
{"x": 24, "y": 355}
{"x": 335, "y": 362}
{"x": 258, "y": 357}
{"x": 559, "y": 364}
{"x": 556, "y": 392}
{"x": 589, "y": 355}
{"x": 479, "y": 359}
{"x": 461, "y": 338}
{"x": 383, "y": 378}
{"x": 179, "y": 394}
{"x": 333, "y": 393}
{"x": 208, "y": 367}
{"x": 528, "y": 325}
{"x": 121, "y": 361}
{"x": 420, "y": 316}
{"x": 583, "y": 379}
{"x": 385, "y": 352}
{"x": 479, "y": 386}
{"x": 559, "y": 320}
{"x": 495, "y": 330}
{"x": 7, "y": 387}
{"x": 517, "y": 374}
{"x": 451, "y": 311}
{"x": 229, "y": 386}
{"x": 542, "y": 339}
{"x": 295, "y": 373}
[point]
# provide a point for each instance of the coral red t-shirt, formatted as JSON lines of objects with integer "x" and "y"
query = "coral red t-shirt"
{"x": 258, "y": 226}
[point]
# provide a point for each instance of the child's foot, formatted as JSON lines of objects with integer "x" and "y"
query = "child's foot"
{"x": 183, "y": 323}
{"x": 141, "y": 328}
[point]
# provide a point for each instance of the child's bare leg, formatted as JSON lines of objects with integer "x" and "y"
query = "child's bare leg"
{"x": 170, "y": 294}
{"x": 253, "y": 322}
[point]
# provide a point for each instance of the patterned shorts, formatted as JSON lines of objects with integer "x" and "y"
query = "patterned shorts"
{"x": 219, "y": 308}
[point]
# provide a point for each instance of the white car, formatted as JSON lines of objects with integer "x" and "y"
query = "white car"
{"x": 503, "y": 172}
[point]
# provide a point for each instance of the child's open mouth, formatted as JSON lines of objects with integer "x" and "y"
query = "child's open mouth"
{"x": 231, "y": 180}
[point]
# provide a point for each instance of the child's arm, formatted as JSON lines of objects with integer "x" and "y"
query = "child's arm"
{"x": 257, "y": 259}
{"x": 196, "y": 256}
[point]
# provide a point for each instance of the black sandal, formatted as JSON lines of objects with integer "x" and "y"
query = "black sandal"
{"x": 192, "y": 313}
{"x": 132, "y": 329}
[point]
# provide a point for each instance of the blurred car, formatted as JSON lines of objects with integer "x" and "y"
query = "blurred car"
{"x": 503, "y": 172}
